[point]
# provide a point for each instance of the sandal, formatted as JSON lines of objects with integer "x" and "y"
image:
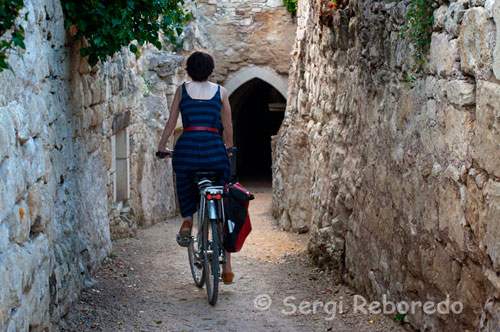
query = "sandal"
{"x": 227, "y": 278}
{"x": 183, "y": 238}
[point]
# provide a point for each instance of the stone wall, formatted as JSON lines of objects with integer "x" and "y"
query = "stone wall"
{"x": 242, "y": 35}
{"x": 398, "y": 182}
{"x": 59, "y": 168}
{"x": 77, "y": 166}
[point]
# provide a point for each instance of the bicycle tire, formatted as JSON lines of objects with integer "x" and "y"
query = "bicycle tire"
{"x": 211, "y": 261}
{"x": 195, "y": 260}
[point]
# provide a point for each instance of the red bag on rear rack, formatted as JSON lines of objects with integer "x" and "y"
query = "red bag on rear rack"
{"x": 237, "y": 225}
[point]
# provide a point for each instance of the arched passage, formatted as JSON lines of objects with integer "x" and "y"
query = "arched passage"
{"x": 237, "y": 79}
{"x": 257, "y": 111}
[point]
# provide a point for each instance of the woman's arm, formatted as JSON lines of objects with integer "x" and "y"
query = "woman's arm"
{"x": 172, "y": 121}
{"x": 226, "y": 119}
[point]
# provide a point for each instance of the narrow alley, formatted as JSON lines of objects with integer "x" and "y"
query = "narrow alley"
{"x": 146, "y": 285}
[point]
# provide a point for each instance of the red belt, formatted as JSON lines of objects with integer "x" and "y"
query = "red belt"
{"x": 213, "y": 130}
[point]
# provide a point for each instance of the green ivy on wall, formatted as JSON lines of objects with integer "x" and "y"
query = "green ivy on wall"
{"x": 11, "y": 34}
{"x": 110, "y": 25}
{"x": 291, "y": 6}
{"x": 419, "y": 29}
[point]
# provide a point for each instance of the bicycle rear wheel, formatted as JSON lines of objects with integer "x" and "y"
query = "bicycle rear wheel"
{"x": 211, "y": 260}
{"x": 196, "y": 258}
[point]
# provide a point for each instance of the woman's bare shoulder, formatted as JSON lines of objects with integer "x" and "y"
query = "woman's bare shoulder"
{"x": 223, "y": 91}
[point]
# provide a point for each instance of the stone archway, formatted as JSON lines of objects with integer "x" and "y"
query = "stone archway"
{"x": 268, "y": 75}
{"x": 258, "y": 98}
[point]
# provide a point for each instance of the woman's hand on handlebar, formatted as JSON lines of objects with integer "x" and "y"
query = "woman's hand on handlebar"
{"x": 231, "y": 151}
{"x": 163, "y": 153}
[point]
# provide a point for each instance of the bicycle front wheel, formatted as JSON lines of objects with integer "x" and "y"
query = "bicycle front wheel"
{"x": 211, "y": 269}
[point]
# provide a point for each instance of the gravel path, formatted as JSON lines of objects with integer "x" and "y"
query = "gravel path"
{"x": 146, "y": 285}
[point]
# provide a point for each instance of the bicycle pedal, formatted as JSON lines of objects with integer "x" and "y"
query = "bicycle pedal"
{"x": 183, "y": 239}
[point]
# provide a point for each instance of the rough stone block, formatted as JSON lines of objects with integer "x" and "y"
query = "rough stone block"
{"x": 4, "y": 240}
{"x": 451, "y": 215}
{"x": 7, "y": 133}
{"x": 474, "y": 43}
{"x": 492, "y": 192}
{"x": 33, "y": 161}
{"x": 440, "y": 17}
{"x": 10, "y": 181}
{"x": 444, "y": 271}
{"x": 490, "y": 319}
{"x": 460, "y": 93}
{"x": 442, "y": 54}
{"x": 19, "y": 222}
{"x": 27, "y": 123}
{"x": 35, "y": 206}
{"x": 98, "y": 113}
{"x": 85, "y": 92}
{"x": 469, "y": 289}
{"x": 488, "y": 8}
{"x": 496, "y": 52}
{"x": 274, "y": 3}
{"x": 454, "y": 16}
{"x": 486, "y": 147}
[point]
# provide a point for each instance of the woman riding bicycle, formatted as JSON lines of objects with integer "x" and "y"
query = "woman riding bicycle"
{"x": 202, "y": 105}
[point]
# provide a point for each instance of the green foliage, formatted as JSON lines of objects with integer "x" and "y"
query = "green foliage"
{"x": 399, "y": 317}
{"x": 110, "y": 25}
{"x": 9, "y": 11}
{"x": 150, "y": 87}
{"x": 291, "y": 6}
{"x": 419, "y": 30}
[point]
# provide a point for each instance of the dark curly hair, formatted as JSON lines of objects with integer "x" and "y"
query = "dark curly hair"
{"x": 200, "y": 65}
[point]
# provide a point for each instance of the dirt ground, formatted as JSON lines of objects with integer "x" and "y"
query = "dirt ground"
{"x": 146, "y": 285}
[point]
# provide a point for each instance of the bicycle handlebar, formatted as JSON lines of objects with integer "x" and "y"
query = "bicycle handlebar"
{"x": 162, "y": 155}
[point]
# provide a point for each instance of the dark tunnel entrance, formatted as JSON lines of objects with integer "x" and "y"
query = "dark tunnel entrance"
{"x": 257, "y": 111}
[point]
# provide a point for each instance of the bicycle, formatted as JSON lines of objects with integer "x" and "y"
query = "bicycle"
{"x": 205, "y": 250}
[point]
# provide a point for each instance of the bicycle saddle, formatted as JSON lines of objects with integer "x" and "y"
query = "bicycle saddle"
{"x": 209, "y": 175}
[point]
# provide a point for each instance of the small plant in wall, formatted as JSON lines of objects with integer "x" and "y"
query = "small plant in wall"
{"x": 420, "y": 19}
{"x": 109, "y": 25}
{"x": 400, "y": 317}
{"x": 334, "y": 4}
{"x": 11, "y": 34}
{"x": 150, "y": 86}
{"x": 291, "y": 6}
{"x": 328, "y": 7}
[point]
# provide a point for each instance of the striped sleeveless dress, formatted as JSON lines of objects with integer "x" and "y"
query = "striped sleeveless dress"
{"x": 198, "y": 150}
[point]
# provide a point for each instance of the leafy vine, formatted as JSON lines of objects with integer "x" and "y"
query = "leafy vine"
{"x": 291, "y": 6}
{"x": 109, "y": 25}
{"x": 419, "y": 29}
{"x": 9, "y": 11}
